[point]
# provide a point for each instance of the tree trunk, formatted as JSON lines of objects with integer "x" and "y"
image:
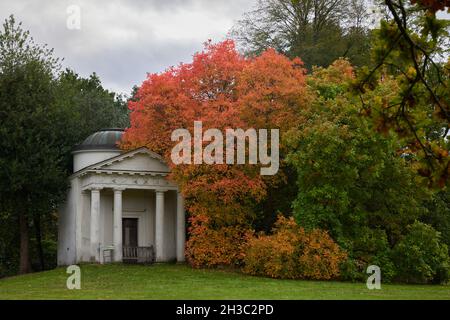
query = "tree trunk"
{"x": 37, "y": 228}
{"x": 24, "y": 266}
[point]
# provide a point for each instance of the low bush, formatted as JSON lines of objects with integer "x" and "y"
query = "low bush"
{"x": 369, "y": 247}
{"x": 212, "y": 247}
{"x": 421, "y": 257}
{"x": 293, "y": 253}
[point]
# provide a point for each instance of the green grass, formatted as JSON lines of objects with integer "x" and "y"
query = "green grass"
{"x": 169, "y": 281}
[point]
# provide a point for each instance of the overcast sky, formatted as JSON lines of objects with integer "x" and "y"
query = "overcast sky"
{"x": 123, "y": 40}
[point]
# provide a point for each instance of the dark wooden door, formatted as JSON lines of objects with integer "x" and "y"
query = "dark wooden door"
{"x": 130, "y": 232}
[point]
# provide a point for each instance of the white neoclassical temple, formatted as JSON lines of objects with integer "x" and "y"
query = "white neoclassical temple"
{"x": 120, "y": 206}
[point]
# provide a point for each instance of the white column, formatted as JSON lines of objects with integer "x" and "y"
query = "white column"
{"x": 117, "y": 228}
{"x": 95, "y": 225}
{"x": 79, "y": 222}
{"x": 159, "y": 226}
{"x": 181, "y": 236}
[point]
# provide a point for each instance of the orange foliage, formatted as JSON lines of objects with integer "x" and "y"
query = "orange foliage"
{"x": 208, "y": 247}
{"x": 433, "y": 5}
{"x": 339, "y": 72}
{"x": 222, "y": 89}
{"x": 200, "y": 91}
{"x": 293, "y": 253}
{"x": 271, "y": 89}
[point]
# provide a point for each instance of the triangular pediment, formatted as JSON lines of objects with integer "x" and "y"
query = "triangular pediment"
{"x": 140, "y": 160}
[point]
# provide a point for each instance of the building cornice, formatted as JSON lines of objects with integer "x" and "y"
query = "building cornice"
{"x": 99, "y": 167}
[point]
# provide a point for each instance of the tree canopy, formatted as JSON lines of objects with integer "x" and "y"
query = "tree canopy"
{"x": 411, "y": 46}
{"x": 43, "y": 113}
{"x": 32, "y": 172}
{"x": 319, "y": 32}
{"x": 222, "y": 89}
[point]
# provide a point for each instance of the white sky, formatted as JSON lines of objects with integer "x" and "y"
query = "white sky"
{"x": 123, "y": 40}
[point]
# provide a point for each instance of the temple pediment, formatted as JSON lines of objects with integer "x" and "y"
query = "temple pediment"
{"x": 139, "y": 161}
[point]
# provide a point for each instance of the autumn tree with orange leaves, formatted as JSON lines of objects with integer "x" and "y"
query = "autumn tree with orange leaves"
{"x": 222, "y": 89}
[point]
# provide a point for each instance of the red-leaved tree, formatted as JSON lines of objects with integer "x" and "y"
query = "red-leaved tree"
{"x": 224, "y": 90}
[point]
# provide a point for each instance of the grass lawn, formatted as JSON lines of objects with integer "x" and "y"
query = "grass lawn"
{"x": 169, "y": 281}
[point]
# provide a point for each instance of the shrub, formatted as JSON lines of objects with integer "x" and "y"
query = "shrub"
{"x": 438, "y": 214}
{"x": 273, "y": 255}
{"x": 421, "y": 257}
{"x": 291, "y": 252}
{"x": 209, "y": 247}
{"x": 369, "y": 247}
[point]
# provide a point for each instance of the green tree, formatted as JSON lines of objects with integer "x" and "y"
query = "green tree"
{"x": 319, "y": 31}
{"x": 421, "y": 256}
{"x": 411, "y": 46}
{"x": 352, "y": 180}
{"x": 31, "y": 173}
{"x": 43, "y": 114}
{"x": 438, "y": 213}
{"x": 89, "y": 107}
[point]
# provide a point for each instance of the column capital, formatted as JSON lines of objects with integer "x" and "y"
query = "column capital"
{"x": 95, "y": 188}
{"x": 161, "y": 191}
{"x": 119, "y": 189}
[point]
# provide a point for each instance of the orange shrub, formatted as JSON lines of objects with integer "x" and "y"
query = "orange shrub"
{"x": 209, "y": 247}
{"x": 292, "y": 253}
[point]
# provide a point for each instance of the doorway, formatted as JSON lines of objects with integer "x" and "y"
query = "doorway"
{"x": 130, "y": 232}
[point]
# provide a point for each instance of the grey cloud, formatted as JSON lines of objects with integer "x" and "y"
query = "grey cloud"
{"x": 123, "y": 40}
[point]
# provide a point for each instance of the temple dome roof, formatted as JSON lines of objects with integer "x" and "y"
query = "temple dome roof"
{"x": 105, "y": 139}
